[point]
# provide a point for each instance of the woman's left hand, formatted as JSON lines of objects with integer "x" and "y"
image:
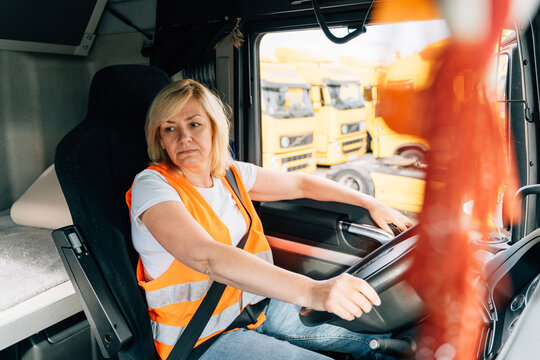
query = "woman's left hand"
{"x": 384, "y": 215}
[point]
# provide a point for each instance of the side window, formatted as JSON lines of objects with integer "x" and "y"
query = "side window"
{"x": 502, "y": 90}
{"x": 346, "y": 96}
{"x": 499, "y": 81}
{"x": 319, "y": 105}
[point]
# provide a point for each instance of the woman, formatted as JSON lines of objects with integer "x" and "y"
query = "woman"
{"x": 185, "y": 219}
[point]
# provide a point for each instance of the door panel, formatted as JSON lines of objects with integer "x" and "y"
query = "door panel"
{"x": 319, "y": 239}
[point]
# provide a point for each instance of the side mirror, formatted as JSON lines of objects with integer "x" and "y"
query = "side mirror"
{"x": 368, "y": 93}
{"x": 323, "y": 102}
{"x": 518, "y": 228}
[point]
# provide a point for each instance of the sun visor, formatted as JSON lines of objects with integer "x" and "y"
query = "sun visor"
{"x": 53, "y": 26}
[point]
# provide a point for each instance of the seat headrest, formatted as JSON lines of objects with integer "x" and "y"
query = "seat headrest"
{"x": 119, "y": 94}
{"x": 109, "y": 142}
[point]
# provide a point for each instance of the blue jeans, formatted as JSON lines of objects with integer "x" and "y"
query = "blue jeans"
{"x": 283, "y": 336}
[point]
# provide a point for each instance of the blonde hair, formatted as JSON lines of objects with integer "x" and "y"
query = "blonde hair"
{"x": 169, "y": 101}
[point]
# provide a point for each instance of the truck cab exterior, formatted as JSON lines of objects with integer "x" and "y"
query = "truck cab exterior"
{"x": 407, "y": 72}
{"x": 288, "y": 119}
{"x": 339, "y": 106}
{"x": 369, "y": 74}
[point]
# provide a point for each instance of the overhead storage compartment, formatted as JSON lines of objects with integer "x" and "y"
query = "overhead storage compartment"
{"x": 54, "y": 26}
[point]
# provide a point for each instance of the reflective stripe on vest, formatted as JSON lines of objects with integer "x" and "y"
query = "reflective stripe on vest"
{"x": 168, "y": 334}
{"x": 248, "y": 298}
{"x": 175, "y": 295}
{"x": 191, "y": 291}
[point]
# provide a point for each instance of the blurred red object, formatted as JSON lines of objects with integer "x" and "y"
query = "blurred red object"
{"x": 467, "y": 160}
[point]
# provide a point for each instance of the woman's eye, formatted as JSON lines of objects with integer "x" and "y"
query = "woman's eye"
{"x": 195, "y": 124}
{"x": 169, "y": 129}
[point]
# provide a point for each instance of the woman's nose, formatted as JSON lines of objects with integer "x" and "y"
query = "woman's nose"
{"x": 184, "y": 136}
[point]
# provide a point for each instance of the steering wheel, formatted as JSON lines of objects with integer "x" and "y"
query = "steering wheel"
{"x": 384, "y": 269}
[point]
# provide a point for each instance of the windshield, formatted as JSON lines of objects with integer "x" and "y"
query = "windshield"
{"x": 346, "y": 96}
{"x": 285, "y": 103}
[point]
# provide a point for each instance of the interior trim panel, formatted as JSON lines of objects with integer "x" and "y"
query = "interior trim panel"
{"x": 312, "y": 251}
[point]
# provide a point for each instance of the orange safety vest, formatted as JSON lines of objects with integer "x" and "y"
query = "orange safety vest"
{"x": 174, "y": 296}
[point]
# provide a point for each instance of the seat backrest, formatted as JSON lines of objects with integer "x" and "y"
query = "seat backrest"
{"x": 96, "y": 164}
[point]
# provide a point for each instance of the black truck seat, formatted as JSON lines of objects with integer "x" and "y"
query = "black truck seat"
{"x": 96, "y": 163}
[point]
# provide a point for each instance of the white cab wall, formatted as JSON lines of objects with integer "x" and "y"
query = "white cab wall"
{"x": 42, "y": 97}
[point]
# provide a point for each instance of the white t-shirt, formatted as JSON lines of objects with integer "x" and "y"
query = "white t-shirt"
{"x": 151, "y": 188}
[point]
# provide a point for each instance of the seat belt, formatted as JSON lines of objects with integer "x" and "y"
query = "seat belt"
{"x": 247, "y": 317}
{"x": 183, "y": 349}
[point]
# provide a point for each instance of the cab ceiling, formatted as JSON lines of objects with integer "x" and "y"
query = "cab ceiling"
{"x": 174, "y": 12}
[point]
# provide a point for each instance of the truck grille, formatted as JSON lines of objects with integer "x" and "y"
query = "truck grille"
{"x": 294, "y": 168}
{"x": 345, "y": 146}
{"x": 294, "y": 158}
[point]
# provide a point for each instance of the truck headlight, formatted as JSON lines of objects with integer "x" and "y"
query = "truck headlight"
{"x": 285, "y": 142}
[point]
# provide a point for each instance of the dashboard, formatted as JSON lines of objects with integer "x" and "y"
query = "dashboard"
{"x": 511, "y": 278}
{"x": 307, "y": 239}
{"x": 516, "y": 307}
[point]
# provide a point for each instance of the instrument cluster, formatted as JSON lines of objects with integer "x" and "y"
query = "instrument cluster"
{"x": 516, "y": 307}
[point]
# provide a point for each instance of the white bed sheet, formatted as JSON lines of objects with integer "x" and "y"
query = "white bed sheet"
{"x": 35, "y": 291}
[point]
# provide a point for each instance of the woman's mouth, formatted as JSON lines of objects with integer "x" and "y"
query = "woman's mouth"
{"x": 186, "y": 152}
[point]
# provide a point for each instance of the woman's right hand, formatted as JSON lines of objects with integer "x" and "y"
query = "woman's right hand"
{"x": 345, "y": 295}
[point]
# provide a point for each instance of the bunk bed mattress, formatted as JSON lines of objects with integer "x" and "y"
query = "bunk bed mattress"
{"x": 29, "y": 262}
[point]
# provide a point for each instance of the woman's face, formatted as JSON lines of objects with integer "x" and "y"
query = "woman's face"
{"x": 187, "y": 137}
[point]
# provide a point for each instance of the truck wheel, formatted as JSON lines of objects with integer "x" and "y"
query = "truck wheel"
{"x": 359, "y": 180}
{"x": 414, "y": 154}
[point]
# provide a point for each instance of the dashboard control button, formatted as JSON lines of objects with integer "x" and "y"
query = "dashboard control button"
{"x": 517, "y": 303}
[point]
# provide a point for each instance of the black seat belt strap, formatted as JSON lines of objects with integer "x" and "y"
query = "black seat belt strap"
{"x": 184, "y": 345}
{"x": 231, "y": 179}
{"x": 247, "y": 317}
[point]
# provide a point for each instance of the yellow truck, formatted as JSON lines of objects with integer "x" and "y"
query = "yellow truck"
{"x": 410, "y": 71}
{"x": 395, "y": 173}
{"x": 369, "y": 74}
{"x": 288, "y": 119}
{"x": 396, "y": 181}
{"x": 338, "y": 102}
